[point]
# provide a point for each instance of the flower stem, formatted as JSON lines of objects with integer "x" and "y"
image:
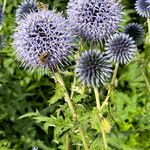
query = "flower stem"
{"x": 112, "y": 85}
{"x": 68, "y": 140}
{"x": 4, "y": 6}
{"x": 97, "y": 98}
{"x": 71, "y": 107}
{"x": 148, "y": 36}
{"x": 100, "y": 116}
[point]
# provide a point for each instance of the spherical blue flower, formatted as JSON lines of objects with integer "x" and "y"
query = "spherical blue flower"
{"x": 143, "y": 8}
{"x": 93, "y": 68}
{"x": 26, "y": 7}
{"x": 94, "y": 19}
{"x": 43, "y": 40}
{"x": 121, "y": 48}
{"x": 135, "y": 31}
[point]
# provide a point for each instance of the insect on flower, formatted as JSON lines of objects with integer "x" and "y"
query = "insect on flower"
{"x": 42, "y": 6}
{"x": 43, "y": 57}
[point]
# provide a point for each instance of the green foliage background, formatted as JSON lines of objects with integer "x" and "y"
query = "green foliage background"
{"x": 34, "y": 114}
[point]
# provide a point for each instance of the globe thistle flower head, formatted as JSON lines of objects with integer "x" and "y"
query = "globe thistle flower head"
{"x": 143, "y": 8}
{"x": 26, "y": 7}
{"x": 121, "y": 48}
{"x": 93, "y": 68}
{"x": 43, "y": 40}
{"x": 135, "y": 31}
{"x": 94, "y": 19}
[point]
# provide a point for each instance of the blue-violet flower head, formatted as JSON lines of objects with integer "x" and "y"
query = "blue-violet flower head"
{"x": 94, "y": 20}
{"x": 121, "y": 48}
{"x": 143, "y": 8}
{"x": 135, "y": 31}
{"x": 93, "y": 68}
{"x": 43, "y": 40}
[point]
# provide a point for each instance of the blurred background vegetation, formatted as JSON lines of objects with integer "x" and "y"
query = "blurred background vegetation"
{"x": 38, "y": 100}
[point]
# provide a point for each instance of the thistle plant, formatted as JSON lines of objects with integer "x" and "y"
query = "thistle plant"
{"x": 94, "y": 69}
{"x": 43, "y": 40}
{"x": 143, "y": 9}
{"x": 94, "y": 20}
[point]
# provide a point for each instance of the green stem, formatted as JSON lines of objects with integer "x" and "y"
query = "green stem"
{"x": 100, "y": 116}
{"x": 71, "y": 107}
{"x": 4, "y": 6}
{"x": 97, "y": 98}
{"x": 74, "y": 80}
{"x": 68, "y": 141}
{"x": 112, "y": 85}
{"x": 148, "y": 36}
{"x": 143, "y": 71}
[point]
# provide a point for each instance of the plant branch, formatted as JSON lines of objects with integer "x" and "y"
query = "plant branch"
{"x": 111, "y": 87}
{"x": 71, "y": 107}
{"x": 68, "y": 141}
{"x": 100, "y": 116}
{"x": 4, "y": 6}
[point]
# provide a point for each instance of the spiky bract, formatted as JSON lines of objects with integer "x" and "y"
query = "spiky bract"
{"x": 121, "y": 48}
{"x": 43, "y": 40}
{"x": 135, "y": 31}
{"x": 26, "y": 7}
{"x": 143, "y": 8}
{"x": 94, "y": 19}
{"x": 93, "y": 68}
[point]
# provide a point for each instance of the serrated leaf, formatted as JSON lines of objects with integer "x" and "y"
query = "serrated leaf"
{"x": 58, "y": 94}
{"x": 30, "y": 114}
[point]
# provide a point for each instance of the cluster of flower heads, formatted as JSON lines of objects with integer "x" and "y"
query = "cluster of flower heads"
{"x": 121, "y": 48}
{"x": 135, "y": 31}
{"x": 43, "y": 40}
{"x": 95, "y": 20}
{"x": 143, "y": 8}
{"x": 26, "y": 7}
{"x": 93, "y": 68}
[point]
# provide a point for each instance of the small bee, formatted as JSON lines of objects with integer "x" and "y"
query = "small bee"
{"x": 41, "y": 6}
{"x": 43, "y": 57}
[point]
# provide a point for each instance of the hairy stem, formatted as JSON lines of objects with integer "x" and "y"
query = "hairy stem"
{"x": 100, "y": 116}
{"x": 4, "y": 6}
{"x": 71, "y": 107}
{"x": 112, "y": 85}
